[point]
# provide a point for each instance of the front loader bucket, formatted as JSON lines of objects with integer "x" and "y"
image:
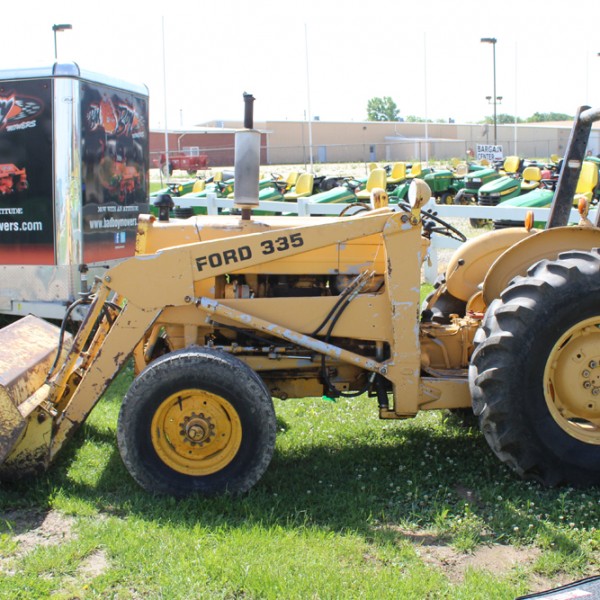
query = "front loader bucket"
{"x": 27, "y": 350}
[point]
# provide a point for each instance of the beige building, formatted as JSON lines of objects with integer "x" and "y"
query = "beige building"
{"x": 289, "y": 142}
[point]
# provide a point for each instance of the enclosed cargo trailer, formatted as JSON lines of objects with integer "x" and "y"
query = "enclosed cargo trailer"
{"x": 74, "y": 166}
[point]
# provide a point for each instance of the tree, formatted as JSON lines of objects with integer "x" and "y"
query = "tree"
{"x": 551, "y": 116}
{"x": 503, "y": 119}
{"x": 382, "y": 109}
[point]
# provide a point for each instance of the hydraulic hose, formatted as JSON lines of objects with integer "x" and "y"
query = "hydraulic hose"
{"x": 340, "y": 306}
{"x": 63, "y": 329}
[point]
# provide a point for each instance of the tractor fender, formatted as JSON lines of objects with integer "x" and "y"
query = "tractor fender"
{"x": 547, "y": 244}
{"x": 470, "y": 263}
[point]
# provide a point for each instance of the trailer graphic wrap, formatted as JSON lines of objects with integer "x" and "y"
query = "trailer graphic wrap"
{"x": 114, "y": 142}
{"x": 26, "y": 200}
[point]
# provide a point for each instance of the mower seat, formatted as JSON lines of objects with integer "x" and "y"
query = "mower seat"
{"x": 199, "y": 186}
{"x": 372, "y": 166}
{"x": 531, "y": 178}
{"x": 398, "y": 173}
{"x": 291, "y": 180}
{"x": 303, "y": 187}
{"x": 511, "y": 164}
{"x": 377, "y": 179}
{"x": 588, "y": 180}
{"x": 415, "y": 170}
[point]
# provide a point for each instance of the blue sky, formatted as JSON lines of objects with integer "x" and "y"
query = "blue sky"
{"x": 428, "y": 56}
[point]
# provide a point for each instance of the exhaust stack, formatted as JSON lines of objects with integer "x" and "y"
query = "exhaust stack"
{"x": 247, "y": 162}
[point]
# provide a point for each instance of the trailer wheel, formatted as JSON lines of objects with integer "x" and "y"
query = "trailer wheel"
{"x": 535, "y": 372}
{"x": 197, "y": 421}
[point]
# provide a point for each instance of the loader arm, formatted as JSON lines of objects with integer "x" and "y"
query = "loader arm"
{"x": 148, "y": 284}
{"x": 106, "y": 362}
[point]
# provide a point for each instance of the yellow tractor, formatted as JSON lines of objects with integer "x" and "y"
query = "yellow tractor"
{"x": 220, "y": 314}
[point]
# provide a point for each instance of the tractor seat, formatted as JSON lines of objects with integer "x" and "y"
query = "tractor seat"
{"x": 398, "y": 173}
{"x": 377, "y": 179}
{"x": 511, "y": 164}
{"x": 303, "y": 187}
{"x": 531, "y": 178}
{"x": 199, "y": 186}
{"x": 291, "y": 180}
{"x": 588, "y": 180}
{"x": 415, "y": 170}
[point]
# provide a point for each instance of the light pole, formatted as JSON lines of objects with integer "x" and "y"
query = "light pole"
{"x": 60, "y": 27}
{"x": 493, "y": 41}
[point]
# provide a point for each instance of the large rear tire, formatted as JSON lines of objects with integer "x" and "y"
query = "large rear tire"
{"x": 535, "y": 372}
{"x": 197, "y": 421}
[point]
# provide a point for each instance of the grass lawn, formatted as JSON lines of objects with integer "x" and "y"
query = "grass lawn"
{"x": 351, "y": 507}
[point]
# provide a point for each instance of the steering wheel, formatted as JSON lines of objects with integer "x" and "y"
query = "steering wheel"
{"x": 548, "y": 184}
{"x": 352, "y": 184}
{"x": 442, "y": 227}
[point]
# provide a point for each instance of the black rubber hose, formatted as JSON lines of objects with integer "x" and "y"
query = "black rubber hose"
{"x": 63, "y": 328}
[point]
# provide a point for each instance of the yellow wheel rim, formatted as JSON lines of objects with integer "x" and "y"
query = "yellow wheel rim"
{"x": 572, "y": 381}
{"x": 196, "y": 432}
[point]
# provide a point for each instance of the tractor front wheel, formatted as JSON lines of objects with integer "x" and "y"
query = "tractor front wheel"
{"x": 535, "y": 372}
{"x": 197, "y": 421}
{"x": 447, "y": 198}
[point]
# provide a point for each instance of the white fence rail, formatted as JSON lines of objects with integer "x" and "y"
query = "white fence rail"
{"x": 305, "y": 207}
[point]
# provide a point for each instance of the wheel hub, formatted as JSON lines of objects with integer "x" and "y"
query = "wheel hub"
{"x": 577, "y": 374}
{"x": 573, "y": 381}
{"x": 197, "y": 429}
{"x": 196, "y": 432}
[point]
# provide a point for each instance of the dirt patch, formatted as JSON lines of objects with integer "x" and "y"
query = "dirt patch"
{"x": 496, "y": 559}
{"x": 95, "y": 564}
{"x": 37, "y": 528}
{"x": 31, "y": 529}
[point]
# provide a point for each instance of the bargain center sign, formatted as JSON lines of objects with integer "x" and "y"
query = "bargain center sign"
{"x": 490, "y": 152}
